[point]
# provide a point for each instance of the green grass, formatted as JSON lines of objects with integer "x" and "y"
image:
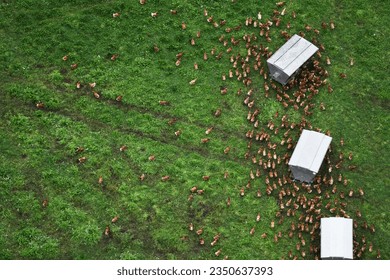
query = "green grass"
{"x": 38, "y": 159}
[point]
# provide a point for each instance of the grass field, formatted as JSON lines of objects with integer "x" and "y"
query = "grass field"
{"x": 57, "y": 140}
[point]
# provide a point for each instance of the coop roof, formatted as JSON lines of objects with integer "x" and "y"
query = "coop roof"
{"x": 310, "y": 150}
{"x": 295, "y": 52}
{"x": 336, "y": 238}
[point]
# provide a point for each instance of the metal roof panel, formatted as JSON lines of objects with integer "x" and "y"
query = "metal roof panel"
{"x": 292, "y": 53}
{"x": 283, "y": 49}
{"x": 300, "y": 60}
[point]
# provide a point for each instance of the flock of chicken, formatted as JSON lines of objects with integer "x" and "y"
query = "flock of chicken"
{"x": 270, "y": 142}
{"x": 270, "y": 155}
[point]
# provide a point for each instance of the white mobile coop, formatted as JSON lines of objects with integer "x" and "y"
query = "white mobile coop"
{"x": 336, "y": 239}
{"x": 286, "y": 61}
{"x": 308, "y": 155}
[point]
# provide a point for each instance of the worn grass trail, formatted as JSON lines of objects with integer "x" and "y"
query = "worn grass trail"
{"x": 53, "y": 207}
